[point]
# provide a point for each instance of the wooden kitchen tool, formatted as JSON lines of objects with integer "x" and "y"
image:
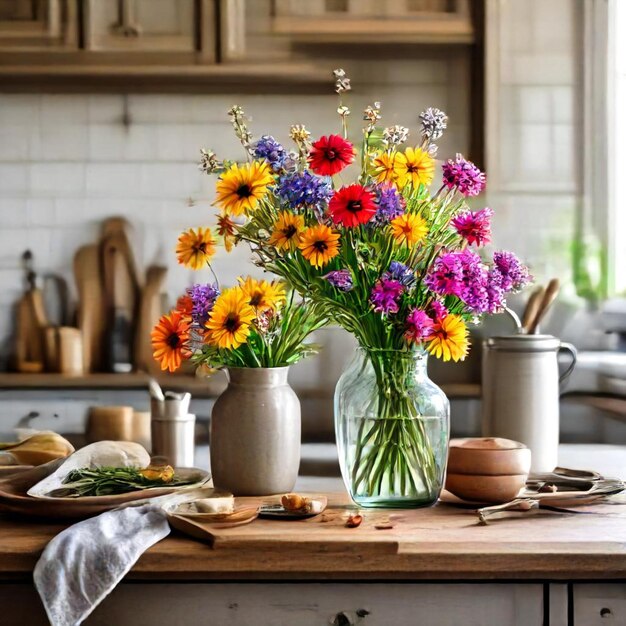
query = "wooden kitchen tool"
{"x": 122, "y": 291}
{"x": 551, "y": 292}
{"x": 149, "y": 313}
{"x": 31, "y": 321}
{"x": 532, "y": 308}
{"x": 91, "y": 313}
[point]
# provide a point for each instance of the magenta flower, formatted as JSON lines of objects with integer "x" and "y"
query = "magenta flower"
{"x": 512, "y": 272}
{"x": 386, "y": 295}
{"x": 418, "y": 326}
{"x": 446, "y": 275}
{"x": 437, "y": 310}
{"x": 340, "y": 279}
{"x": 464, "y": 176}
{"x": 474, "y": 227}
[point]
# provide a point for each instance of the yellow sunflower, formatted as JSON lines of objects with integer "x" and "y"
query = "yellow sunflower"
{"x": 408, "y": 229}
{"x": 387, "y": 167}
{"x": 229, "y": 323}
{"x": 226, "y": 230}
{"x": 195, "y": 248}
{"x": 261, "y": 294}
{"x": 287, "y": 229}
{"x": 449, "y": 339}
{"x": 240, "y": 188}
{"x": 319, "y": 244}
{"x": 415, "y": 166}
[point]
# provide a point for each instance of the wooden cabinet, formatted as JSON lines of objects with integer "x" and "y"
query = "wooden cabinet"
{"x": 138, "y": 45}
{"x": 393, "y": 21}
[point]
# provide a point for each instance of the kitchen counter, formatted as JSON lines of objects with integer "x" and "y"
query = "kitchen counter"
{"x": 309, "y": 572}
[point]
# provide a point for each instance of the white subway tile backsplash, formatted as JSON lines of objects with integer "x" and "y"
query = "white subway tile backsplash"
{"x": 112, "y": 179}
{"x": 41, "y": 212}
{"x": 19, "y": 110}
{"x": 63, "y": 109}
{"x": 12, "y": 211}
{"x": 13, "y": 177}
{"x": 65, "y": 142}
{"x": 14, "y": 143}
{"x": 105, "y": 109}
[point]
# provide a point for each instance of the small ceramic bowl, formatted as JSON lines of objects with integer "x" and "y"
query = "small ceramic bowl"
{"x": 489, "y": 456}
{"x": 485, "y": 489}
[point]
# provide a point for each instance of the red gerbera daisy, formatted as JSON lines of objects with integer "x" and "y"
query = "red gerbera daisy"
{"x": 329, "y": 155}
{"x": 352, "y": 205}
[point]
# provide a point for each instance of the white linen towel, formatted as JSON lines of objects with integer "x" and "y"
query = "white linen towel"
{"x": 85, "y": 562}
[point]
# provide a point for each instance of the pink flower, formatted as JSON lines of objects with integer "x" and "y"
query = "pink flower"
{"x": 418, "y": 326}
{"x": 385, "y": 295}
{"x": 464, "y": 176}
{"x": 474, "y": 227}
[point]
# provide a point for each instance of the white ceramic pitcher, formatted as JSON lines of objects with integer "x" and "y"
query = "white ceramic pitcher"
{"x": 520, "y": 393}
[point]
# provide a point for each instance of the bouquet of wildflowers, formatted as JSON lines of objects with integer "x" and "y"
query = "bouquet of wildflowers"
{"x": 253, "y": 324}
{"x": 391, "y": 260}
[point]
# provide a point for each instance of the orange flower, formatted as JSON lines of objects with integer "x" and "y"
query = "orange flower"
{"x": 226, "y": 230}
{"x": 319, "y": 244}
{"x": 184, "y": 304}
{"x": 169, "y": 341}
{"x": 408, "y": 229}
{"x": 195, "y": 249}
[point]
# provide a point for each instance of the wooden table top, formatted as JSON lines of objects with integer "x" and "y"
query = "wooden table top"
{"x": 442, "y": 543}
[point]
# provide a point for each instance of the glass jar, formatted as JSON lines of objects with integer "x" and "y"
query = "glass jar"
{"x": 392, "y": 425}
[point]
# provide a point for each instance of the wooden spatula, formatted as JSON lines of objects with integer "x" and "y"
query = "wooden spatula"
{"x": 552, "y": 291}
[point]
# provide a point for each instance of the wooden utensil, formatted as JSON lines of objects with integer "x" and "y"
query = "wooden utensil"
{"x": 31, "y": 320}
{"x": 551, "y": 292}
{"x": 149, "y": 313}
{"x": 122, "y": 290}
{"x": 70, "y": 351}
{"x": 91, "y": 312}
{"x": 203, "y": 527}
{"x": 532, "y": 307}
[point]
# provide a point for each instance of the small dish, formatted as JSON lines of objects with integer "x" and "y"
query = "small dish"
{"x": 241, "y": 515}
{"x": 491, "y": 489}
{"x": 488, "y": 456}
{"x": 278, "y": 511}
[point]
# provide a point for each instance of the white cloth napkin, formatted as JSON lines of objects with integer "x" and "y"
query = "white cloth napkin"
{"x": 85, "y": 562}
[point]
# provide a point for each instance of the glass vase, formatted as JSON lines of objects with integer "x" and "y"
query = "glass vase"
{"x": 392, "y": 425}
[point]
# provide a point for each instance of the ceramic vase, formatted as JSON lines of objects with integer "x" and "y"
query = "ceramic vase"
{"x": 255, "y": 433}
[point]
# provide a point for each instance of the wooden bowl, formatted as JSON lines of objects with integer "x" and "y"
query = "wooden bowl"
{"x": 489, "y": 456}
{"x": 485, "y": 489}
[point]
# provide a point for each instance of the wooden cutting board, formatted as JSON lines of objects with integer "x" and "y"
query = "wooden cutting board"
{"x": 91, "y": 316}
{"x": 149, "y": 313}
{"x": 31, "y": 322}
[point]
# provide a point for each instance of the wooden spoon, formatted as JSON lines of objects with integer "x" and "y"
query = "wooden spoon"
{"x": 552, "y": 291}
{"x": 532, "y": 307}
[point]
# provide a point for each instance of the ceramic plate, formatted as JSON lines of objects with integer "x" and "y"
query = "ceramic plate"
{"x": 14, "y": 499}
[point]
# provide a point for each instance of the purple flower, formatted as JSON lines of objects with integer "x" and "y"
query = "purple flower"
{"x": 464, "y": 176}
{"x": 474, "y": 227}
{"x": 400, "y": 272}
{"x": 203, "y": 298}
{"x": 389, "y": 203}
{"x": 385, "y": 295}
{"x": 418, "y": 326}
{"x": 303, "y": 189}
{"x": 340, "y": 279}
{"x": 513, "y": 273}
{"x": 273, "y": 152}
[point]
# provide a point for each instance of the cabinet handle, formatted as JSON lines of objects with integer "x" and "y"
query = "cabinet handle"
{"x": 604, "y": 612}
{"x": 341, "y": 619}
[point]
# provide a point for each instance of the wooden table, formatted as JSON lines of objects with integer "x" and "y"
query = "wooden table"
{"x": 436, "y": 567}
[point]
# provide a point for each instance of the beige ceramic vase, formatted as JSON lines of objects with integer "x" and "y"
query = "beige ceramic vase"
{"x": 255, "y": 433}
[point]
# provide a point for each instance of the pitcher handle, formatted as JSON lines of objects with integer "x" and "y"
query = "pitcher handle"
{"x": 568, "y": 347}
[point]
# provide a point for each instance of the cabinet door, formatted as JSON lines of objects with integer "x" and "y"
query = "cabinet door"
{"x": 599, "y": 605}
{"x": 149, "y": 26}
{"x": 36, "y": 25}
{"x": 307, "y": 604}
